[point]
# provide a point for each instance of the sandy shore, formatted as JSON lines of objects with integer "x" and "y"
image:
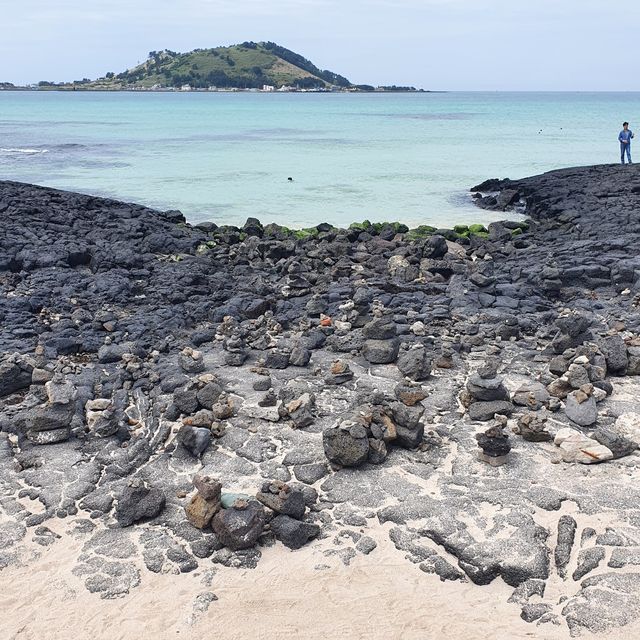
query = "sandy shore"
{"x": 377, "y": 596}
{"x": 302, "y": 594}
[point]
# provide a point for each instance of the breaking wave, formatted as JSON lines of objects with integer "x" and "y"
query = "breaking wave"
{"x": 24, "y": 151}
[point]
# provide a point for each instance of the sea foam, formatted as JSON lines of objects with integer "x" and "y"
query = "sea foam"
{"x": 26, "y": 151}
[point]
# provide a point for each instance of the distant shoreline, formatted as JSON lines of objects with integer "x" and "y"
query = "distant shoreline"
{"x": 17, "y": 89}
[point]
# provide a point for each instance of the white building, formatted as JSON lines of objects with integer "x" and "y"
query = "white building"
{"x": 268, "y": 87}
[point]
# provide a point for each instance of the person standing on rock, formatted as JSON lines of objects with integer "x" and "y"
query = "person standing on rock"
{"x": 625, "y": 142}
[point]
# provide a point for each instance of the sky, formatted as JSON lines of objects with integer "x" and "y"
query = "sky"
{"x": 519, "y": 45}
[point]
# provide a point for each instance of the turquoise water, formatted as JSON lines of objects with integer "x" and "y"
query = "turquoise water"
{"x": 227, "y": 156}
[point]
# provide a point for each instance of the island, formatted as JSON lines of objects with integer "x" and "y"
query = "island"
{"x": 250, "y": 66}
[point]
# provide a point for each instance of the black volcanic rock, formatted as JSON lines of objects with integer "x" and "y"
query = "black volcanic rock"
{"x": 102, "y": 298}
{"x": 138, "y": 502}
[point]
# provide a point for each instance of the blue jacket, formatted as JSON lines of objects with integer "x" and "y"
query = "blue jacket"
{"x": 625, "y": 136}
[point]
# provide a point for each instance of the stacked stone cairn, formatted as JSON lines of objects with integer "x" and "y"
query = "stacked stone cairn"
{"x": 205, "y": 503}
{"x": 367, "y": 436}
{"x": 203, "y": 404}
{"x": 289, "y": 506}
{"x": 234, "y": 343}
{"x": 532, "y": 426}
{"x": 577, "y": 381}
{"x": 494, "y": 444}
{"x": 486, "y": 394}
{"x": 381, "y": 345}
{"x": 239, "y": 520}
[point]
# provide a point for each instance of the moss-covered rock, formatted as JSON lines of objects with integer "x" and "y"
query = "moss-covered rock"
{"x": 303, "y": 234}
{"x": 204, "y": 247}
{"x": 365, "y": 225}
{"x": 423, "y": 231}
{"x": 276, "y": 231}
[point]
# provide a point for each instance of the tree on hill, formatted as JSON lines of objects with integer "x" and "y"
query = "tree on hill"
{"x": 299, "y": 61}
{"x": 309, "y": 83}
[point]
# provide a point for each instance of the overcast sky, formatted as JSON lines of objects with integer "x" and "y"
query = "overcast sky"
{"x": 432, "y": 44}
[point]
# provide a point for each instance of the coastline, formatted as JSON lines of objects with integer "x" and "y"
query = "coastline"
{"x": 107, "y": 301}
{"x": 79, "y": 89}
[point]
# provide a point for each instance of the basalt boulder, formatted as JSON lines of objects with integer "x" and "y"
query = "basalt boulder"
{"x": 240, "y": 525}
{"x": 347, "y": 444}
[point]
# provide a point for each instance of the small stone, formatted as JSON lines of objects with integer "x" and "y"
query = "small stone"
{"x": 60, "y": 392}
{"x": 263, "y": 383}
{"x": 202, "y": 418}
{"x": 489, "y": 370}
{"x": 208, "y": 487}
{"x": 580, "y": 396}
{"x": 566, "y": 537}
{"x": 381, "y": 351}
{"x": 617, "y": 444}
{"x": 240, "y": 526}
{"x": 532, "y": 612}
{"x": 487, "y": 389}
{"x": 494, "y": 442}
{"x": 293, "y": 533}
{"x": 209, "y": 394}
{"x": 281, "y": 498}
{"x": 483, "y": 411}
{"x": 377, "y": 451}
{"x": 269, "y": 400}
{"x": 200, "y": 511}
{"x": 277, "y": 359}
{"x": 533, "y": 396}
{"x": 310, "y": 473}
{"x": 533, "y": 428}
{"x": 195, "y": 440}
{"x": 410, "y": 395}
{"x": 494, "y": 461}
{"x": 138, "y": 502}
{"x": 191, "y": 361}
{"x": 559, "y": 388}
{"x": 339, "y": 373}
{"x": 347, "y": 444}
{"x": 300, "y": 356}
{"x": 588, "y": 560}
{"x": 559, "y": 366}
{"x": 615, "y": 352}
{"x": 415, "y": 363}
{"x": 577, "y": 447}
{"x": 577, "y": 375}
{"x": 380, "y": 329}
{"x": 581, "y": 408}
{"x": 366, "y": 545}
{"x": 418, "y": 328}
{"x": 228, "y": 500}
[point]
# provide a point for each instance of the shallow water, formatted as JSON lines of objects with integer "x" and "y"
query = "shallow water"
{"x": 227, "y": 156}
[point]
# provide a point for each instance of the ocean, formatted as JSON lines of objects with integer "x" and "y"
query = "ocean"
{"x": 228, "y": 156}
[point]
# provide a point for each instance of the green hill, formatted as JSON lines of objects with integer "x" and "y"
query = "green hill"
{"x": 243, "y": 66}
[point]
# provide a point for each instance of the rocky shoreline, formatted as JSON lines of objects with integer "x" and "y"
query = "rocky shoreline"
{"x": 187, "y": 396}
